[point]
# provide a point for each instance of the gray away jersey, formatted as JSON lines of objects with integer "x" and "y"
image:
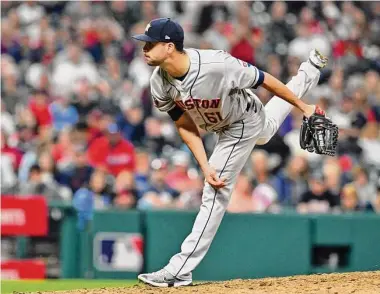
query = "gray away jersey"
{"x": 215, "y": 91}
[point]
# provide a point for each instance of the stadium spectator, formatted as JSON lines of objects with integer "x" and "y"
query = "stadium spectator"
{"x": 29, "y": 159}
{"x": 264, "y": 194}
{"x": 30, "y": 13}
{"x": 107, "y": 104}
{"x": 63, "y": 114}
{"x": 265, "y": 198}
{"x": 72, "y": 65}
{"x": 349, "y": 199}
{"x": 93, "y": 127}
{"x": 155, "y": 138}
{"x": 370, "y": 143}
{"x": 143, "y": 164}
{"x": 158, "y": 195}
{"x": 7, "y": 122}
{"x": 125, "y": 13}
{"x": 241, "y": 199}
{"x": 82, "y": 100}
{"x": 14, "y": 154}
{"x": 39, "y": 106}
{"x": 191, "y": 199}
{"x": 88, "y": 199}
{"x": 48, "y": 166}
{"x": 8, "y": 179}
{"x": 126, "y": 194}
{"x": 333, "y": 174}
{"x": 178, "y": 177}
{"x": 96, "y": 192}
{"x": 279, "y": 29}
{"x": 37, "y": 186}
{"x": 317, "y": 199}
{"x": 112, "y": 152}
{"x": 260, "y": 167}
{"x": 78, "y": 172}
{"x": 366, "y": 190}
{"x": 80, "y": 134}
{"x": 62, "y": 149}
{"x": 242, "y": 36}
{"x": 216, "y": 35}
{"x": 305, "y": 41}
{"x": 131, "y": 123}
{"x": 291, "y": 182}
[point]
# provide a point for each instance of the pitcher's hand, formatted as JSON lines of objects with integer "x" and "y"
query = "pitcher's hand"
{"x": 213, "y": 179}
{"x": 309, "y": 110}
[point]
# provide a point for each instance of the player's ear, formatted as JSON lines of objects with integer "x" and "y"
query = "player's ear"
{"x": 171, "y": 48}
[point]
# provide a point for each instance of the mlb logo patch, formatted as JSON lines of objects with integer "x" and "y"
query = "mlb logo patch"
{"x": 244, "y": 63}
{"x": 118, "y": 252}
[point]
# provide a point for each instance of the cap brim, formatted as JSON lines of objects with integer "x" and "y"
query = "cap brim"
{"x": 144, "y": 38}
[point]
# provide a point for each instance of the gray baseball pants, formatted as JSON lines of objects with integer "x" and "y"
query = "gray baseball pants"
{"x": 232, "y": 150}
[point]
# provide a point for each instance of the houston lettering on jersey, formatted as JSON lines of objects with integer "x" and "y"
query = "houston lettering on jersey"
{"x": 199, "y": 103}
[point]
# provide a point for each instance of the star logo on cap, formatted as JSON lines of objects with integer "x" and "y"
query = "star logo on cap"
{"x": 147, "y": 27}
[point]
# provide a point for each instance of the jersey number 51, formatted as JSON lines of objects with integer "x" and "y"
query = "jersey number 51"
{"x": 213, "y": 117}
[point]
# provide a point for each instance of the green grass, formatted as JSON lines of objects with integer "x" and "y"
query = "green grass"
{"x": 60, "y": 285}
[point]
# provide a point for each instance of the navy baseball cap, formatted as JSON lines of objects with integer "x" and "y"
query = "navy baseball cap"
{"x": 162, "y": 30}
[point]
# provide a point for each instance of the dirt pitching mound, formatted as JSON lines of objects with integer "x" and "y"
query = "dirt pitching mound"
{"x": 344, "y": 283}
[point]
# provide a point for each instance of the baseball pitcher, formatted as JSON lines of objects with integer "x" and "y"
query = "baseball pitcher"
{"x": 212, "y": 90}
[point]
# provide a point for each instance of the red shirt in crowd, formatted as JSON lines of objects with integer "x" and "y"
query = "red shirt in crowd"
{"x": 40, "y": 112}
{"x": 115, "y": 158}
{"x": 14, "y": 154}
{"x": 179, "y": 180}
{"x": 342, "y": 48}
{"x": 244, "y": 50}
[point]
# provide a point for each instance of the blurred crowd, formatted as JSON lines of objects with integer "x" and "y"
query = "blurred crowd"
{"x": 78, "y": 125}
